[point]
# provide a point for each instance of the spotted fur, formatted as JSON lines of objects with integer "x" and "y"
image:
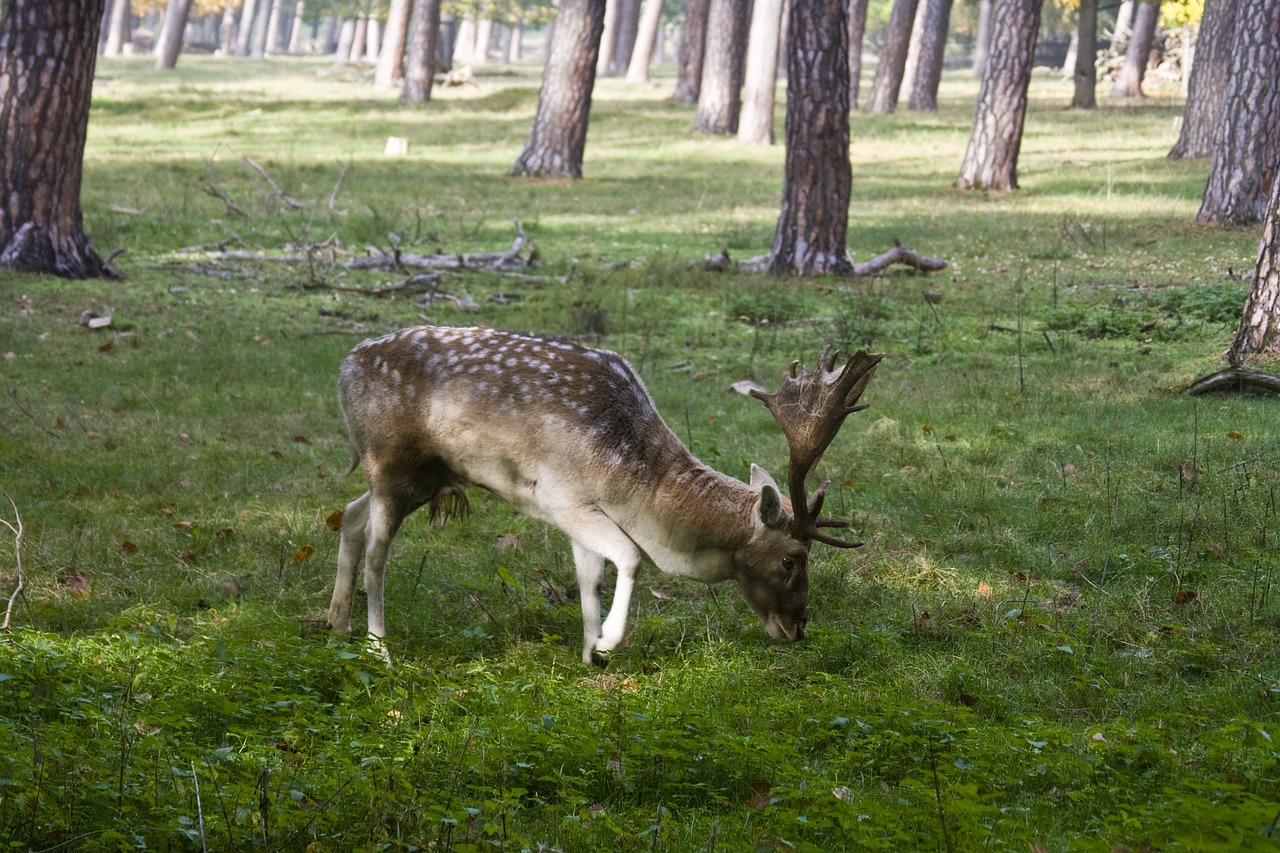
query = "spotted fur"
{"x": 568, "y": 435}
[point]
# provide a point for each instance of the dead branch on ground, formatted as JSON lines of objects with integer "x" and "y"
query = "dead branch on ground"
{"x": 899, "y": 254}
{"x": 333, "y": 196}
{"x": 275, "y": 188}
{"x": 16, "y": 528}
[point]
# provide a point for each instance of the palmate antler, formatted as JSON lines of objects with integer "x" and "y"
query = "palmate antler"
{"x": 810, "y": 408}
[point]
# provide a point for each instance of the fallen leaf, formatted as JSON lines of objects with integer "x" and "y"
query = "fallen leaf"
{"x": 1068, "y": 468}
{"x": 301, "y": 439}
{"x": 1237, "y": 436}
{"x": 924, "y": 620}
{"x": 1185, "y": 596}
{"x": 842, "y": 793}
{"x": 984, "y": 589}
{"x": 189, "y": 557}
{"x": 1099, "y": 737}
{"x": 76, "y": 581}
{"x": 303, "y": 554}
{"x": 759, "y": 795}
{"x": 659, "y": 594}
{"x": 334, "y": 521}
{"x": 509, "y": 542}
{"x": 128, "y": 548}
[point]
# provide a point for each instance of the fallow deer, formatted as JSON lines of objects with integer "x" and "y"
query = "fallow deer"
{"x": 570, "y": 436}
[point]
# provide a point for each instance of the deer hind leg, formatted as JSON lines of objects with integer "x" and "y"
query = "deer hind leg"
{"x": 355, "y": 520}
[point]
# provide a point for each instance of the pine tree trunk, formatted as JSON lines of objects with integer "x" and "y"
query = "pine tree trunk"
{"x": 933, "y": 45}
{"x": 991, "y": 161}
{"x": 982, "y": 39}
{"x": 813, "y": 224}
{"x": 48, "y": 50}
{"x": 608, "y": 38}
{"x": 893, "y": 59}
{"x": 244, "y": 38}
{"x": 228, "y": 30}
{"x": 857, "y": 29}
{"x": 484, "y": 35}
{"x": 346, "y": 39}
{"x": 755, "y": 125}
{"x": 175, "y": 23}
{"x": 1207, "y": 88}
{"x": 1246, "y": 144}
{"x": 646, "y": 39}
{"x": 1085, "y": 73}
{"x": 515, "y": 44}
{"x": 295, "y": 30}
{"x": 692, "y": 52}
{"x": 1129, "y": 81}
{"x": 261, "y": 28}
{"x": 118, "y": 30}
{"x": 1259, "y": 330}
{"x": 913, "y": 49}
{"x": 359, "y": 38}
{"x": 390, "y": 73}
{"x": 628, "y": 32}
{"x": 719, "y": 96}
{"x": 273, "y": 26}
{"x": 559, "y": 133}
{"x": 424, "y": 37}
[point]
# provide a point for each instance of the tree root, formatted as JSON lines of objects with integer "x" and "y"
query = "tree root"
{"x": 1235, "y": 378}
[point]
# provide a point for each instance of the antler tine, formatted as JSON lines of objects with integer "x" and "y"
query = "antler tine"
{"x": 811, "y": 407}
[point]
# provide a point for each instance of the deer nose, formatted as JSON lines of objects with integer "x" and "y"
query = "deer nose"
{"x": 800, "y": 630}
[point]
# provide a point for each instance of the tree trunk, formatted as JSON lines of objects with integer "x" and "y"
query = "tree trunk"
{"x": 1124, "y": 26}
{"x": 692, "y": 52}
{"x": 464, "y": 46}
{"x": 991, "y": 161}
{"x": 346, "y": 41}
{"x": 228, "y": 30}
{"x": 755, "y": 126}
{"x": 48, "y": 50}
{"x": 646, "y": 39}
{"x": 359, "y": 37}
{"x": 515, "y": 44}
{"x": 559, "y": 133}
{"x": 389, "y": 73}
{"x": 1246, "y": 145}
{"x": 893, "y": 59}
{"x": 1129, "y": 81}
{"x": 244, "y": 38}
{"x": 273, "y": 26}
{"x": 982, "y": 40}
{"x": 175, "y": 23}
{"x": 857, "y": 29}
{"x": 295, "y": 31}
{"x": 424, "y": 36}
{"x": 627, "y": 33}
{"x": 484, "y": 35}
{"x": 913, "y": 48}
{"x": 449, "y": 39}
{"x": 814, "y": 220}
{"x": 1259, "y": 329}
{"x": 118, "y": 30}
{"x": 933, "y": 46}
{"x": 609, "y": 38}
{"x": 1210, "y": 74}
{"x": 719, "y": 96}
{"x": 1085, "y": 73}
{"x": 373, "y": 39}
{"x": 260, "y": 28}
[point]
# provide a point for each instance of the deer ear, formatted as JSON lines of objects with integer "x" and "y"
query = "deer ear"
{"x": 772, "y": 512}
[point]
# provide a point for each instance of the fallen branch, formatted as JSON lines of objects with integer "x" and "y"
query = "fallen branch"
{"x": 16, "y": 528}
{"x": 333, "y": 196}
{"x": 275, "y": 188}
{"x": 1236, "y": 377}
{"x": 217, "y": 192}
{"x": 899, "y": 254}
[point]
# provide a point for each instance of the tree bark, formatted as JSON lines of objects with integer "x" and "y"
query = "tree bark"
{"x": 982, "y": 40}
{"x": 228, "y": 30}
{"x": 991, "y": 161}
{"x": 755, "y": 125}
{"x": 627, "y": 33}
{"x": 1129, "y": 81}
{"x": 608, "y": 38}
{"x": 719, "y": 96}
{"x": 295, "y": 31}
{"x": 893, "y": 59}
{"x": 692, "y": 52}
{"x": 484, "y": 35}
{"x": 559, "y": 133}
{"x": 118, "y": 30}
{"x": 390, "y": 71}
{"x": 170, "y": 44}
{"x": 1085, "y": 73}
{"x": 273, "y": 26}
{"x": 244, "y": 38}
{"x": 260, "y": 28}
{"x": 1259, "y": 329}
{"x": 515, "y": 43}
{"x": 48, "y": 50}
{"x": 813, "y": 223}
{"x": 646, "y": 39}
{"x": 1246, "y": 144}
{"x": 913, "y": 48}
{"x": 359, "y": 37}
{"x": 424, "y": 36}
{"x": 857, "y": 29}
{"x": 1210, "y": 74}
{"x": 933, "y": 46}
{"x": 346, "y": 38}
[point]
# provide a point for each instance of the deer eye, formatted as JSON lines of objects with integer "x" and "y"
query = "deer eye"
{"x": 788, "y": 564}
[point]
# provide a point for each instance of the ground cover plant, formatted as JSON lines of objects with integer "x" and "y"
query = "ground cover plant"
{"x": 1060, "y": 634}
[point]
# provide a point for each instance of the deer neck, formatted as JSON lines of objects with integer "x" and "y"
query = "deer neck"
{"x": 690, "y": 519}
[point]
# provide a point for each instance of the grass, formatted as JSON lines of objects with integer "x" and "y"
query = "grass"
{"x": 1061, "y": 631}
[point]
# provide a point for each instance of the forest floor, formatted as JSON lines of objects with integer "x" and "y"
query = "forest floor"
{"x": 1061, "y": 633}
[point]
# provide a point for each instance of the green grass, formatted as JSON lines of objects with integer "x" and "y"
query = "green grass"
{"x": 1060, "y": 632}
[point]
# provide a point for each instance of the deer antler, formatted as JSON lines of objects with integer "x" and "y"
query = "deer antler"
{"x": 810, "y": 408}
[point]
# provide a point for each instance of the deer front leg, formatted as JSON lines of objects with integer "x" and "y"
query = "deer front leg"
{"x": 596, "y": 539}
{"x": 355, "y": 518}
